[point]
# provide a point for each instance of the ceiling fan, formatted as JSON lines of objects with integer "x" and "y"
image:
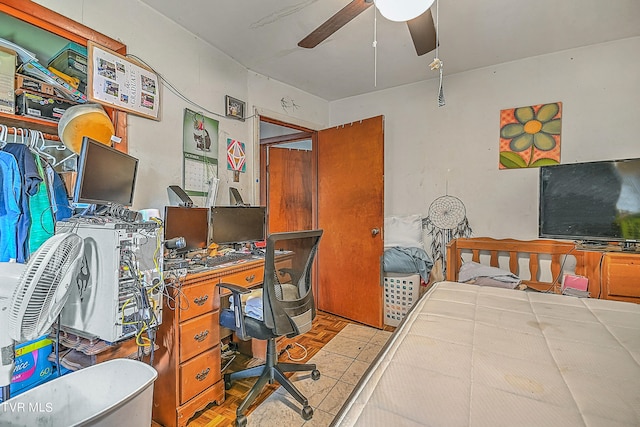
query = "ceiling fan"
{"x": 421, "y": 28}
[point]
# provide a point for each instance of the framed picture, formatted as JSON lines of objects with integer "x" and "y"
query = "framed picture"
{"x": 119, "y": 82}
{"x": 234, "y": 108}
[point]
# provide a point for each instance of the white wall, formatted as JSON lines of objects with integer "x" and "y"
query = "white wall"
{"x": 431, "y": 151}
{"x": 201, "y": 73}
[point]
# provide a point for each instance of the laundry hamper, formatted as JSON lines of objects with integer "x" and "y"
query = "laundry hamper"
{"x": 401, "y": 291}
{"x": 118, "y": 392}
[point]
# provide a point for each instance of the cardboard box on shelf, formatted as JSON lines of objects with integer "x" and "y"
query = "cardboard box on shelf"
{"x": 8, "y": 61}
{"x": 34, "y": 85}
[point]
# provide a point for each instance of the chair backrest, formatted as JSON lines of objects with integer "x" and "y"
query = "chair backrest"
{"x": 287, "y": 295}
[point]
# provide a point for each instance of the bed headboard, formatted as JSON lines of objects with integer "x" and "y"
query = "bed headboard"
{"x": 540, "y": 254}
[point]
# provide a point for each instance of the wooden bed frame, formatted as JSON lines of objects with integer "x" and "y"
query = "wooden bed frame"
{"x": 538, "y": 252}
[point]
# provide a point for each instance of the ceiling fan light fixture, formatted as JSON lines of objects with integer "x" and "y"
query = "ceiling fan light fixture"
{"x": 402, "y": 10}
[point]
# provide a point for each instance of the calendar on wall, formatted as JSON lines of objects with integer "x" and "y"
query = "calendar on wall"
{"x": 200, "y": 153}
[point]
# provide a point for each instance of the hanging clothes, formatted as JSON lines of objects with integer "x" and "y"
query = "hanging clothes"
{"x": 9, "y": 206}
{"x": 58, "y": 194}
{"x": 30, "y": 180}
{"x": 42, "y": 225}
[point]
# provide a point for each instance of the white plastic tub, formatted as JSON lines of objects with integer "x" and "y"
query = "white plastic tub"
{"x": 118, "y": 392}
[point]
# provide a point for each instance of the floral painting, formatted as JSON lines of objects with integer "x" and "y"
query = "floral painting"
{"x": 530, "y": 136}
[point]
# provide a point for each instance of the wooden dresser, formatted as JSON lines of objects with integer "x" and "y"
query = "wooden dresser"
{"x": 188, "y": 357}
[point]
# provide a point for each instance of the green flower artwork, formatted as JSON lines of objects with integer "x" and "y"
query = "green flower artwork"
{"x": 530, "y": 136}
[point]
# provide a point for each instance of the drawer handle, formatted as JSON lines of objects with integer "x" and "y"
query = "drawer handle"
{"x": 250, "y": 278}
{"x": 201, "y": 336}
{"x": 203, "y": 374}
{"x": 201, "y": 300}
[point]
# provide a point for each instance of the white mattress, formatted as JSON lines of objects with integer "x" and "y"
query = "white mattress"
{"x": 479, "y": 356}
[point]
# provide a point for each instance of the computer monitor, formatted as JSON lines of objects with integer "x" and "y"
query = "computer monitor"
{"x": 190, "y": 223}
{"x": 105, "y": 175}
{"x": 237, "y": 224}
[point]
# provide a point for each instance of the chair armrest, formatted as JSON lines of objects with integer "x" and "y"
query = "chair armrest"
{"x": 238, "y": 314}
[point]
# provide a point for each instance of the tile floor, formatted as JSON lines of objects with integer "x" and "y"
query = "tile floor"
{"x": 341, "y": 362}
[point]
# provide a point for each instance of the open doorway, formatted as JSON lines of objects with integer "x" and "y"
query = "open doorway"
{"x": 332, "y": 179}
{"x": 287, "y": 175}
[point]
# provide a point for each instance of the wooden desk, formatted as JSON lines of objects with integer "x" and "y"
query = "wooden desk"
{"x": 188, "y": 358}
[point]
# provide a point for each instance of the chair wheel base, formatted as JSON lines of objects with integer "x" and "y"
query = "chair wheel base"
{"x": 315, "y": 375}
{"x": 307, "y": 413}
{"x": 241, "y": 421}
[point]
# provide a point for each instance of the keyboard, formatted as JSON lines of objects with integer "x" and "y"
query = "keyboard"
{"x": 214, "y": 261}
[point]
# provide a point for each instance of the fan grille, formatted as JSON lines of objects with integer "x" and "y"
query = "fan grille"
{"x": 43, "y": 287}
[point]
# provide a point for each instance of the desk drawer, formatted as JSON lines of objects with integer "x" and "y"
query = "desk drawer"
{"x": 198, "y": 299}
{"x": 247, "y": 278}
{"x": 199, "y": 334}
{"x": 199, "y": 373}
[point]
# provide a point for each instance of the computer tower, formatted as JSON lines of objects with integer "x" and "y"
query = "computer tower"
{"x": 118, "y": 291}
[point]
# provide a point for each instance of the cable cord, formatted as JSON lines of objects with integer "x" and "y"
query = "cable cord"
{"x": 300, "y": 359}
{"x": 228, "y": 363}
{"x": 176, "y": 92}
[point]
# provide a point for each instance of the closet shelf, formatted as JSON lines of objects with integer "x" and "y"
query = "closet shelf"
{"x": 50, "y": 129}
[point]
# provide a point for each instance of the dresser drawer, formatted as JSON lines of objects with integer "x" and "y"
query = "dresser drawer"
{"x": 197, "y": 299}
{"x": 199, "y": 334}
{"x": 199, "y": 373}
{"x": 621, "y": 276}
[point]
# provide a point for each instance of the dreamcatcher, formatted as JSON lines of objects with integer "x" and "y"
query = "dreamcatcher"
{"x": 446, "y": 220}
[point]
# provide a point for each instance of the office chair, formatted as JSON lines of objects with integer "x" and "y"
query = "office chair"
{"x": 288, "y": 309}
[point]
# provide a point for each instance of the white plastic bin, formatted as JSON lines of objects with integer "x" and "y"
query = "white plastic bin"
{"x": 401, "y": 291}
{"x": 118, "y": 392}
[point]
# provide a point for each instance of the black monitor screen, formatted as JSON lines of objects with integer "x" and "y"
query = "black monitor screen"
{"x": 190, "y": 223}
{"x": 235, "y": 224}
{"x": 591, "y": 201}
{"x": 105, "y": 175}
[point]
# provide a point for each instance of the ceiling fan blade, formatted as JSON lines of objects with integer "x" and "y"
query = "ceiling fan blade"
{"x": 333, "y": 24}
{"x": 423, "y": 33}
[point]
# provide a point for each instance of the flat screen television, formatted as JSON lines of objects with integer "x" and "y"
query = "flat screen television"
{"x": 238, "y": 224}
{"x": 105, "y": 175}
{"x": 593, "y": 201}
{"x": 190, "y": 223}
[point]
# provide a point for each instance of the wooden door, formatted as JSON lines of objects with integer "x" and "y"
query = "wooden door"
{"x": 289, "y": 189}
{"x": 351, "y": 212}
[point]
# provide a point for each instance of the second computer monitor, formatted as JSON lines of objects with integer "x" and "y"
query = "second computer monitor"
{"x": 190, "y": 223}
{"x": 237, "y": 224}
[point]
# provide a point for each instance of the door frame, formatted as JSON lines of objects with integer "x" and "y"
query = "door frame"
{"x": 304, "y": 133}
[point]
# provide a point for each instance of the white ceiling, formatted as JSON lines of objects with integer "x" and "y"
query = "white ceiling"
{"x": 262, "y": 35}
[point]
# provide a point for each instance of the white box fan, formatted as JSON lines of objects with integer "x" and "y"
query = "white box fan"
{"x": 33, "y": 294}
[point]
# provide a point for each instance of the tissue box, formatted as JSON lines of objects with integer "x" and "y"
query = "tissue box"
{"x": 7, "y": 84}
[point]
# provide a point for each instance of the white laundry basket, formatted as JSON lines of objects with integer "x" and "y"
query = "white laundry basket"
{"x": 118, "y": 392}
{"x": 401, "y": 291}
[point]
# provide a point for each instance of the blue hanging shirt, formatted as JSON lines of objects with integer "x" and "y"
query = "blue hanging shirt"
{"x": 9, "y": 206}
{"x": 30, "y": 180}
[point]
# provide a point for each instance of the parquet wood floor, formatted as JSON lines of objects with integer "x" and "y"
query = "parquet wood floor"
{"x": 325, "y": 327}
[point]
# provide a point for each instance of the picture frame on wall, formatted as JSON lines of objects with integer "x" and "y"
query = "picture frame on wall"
{"x": 234, "y": 108}
{"x": 122, "y": 83}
